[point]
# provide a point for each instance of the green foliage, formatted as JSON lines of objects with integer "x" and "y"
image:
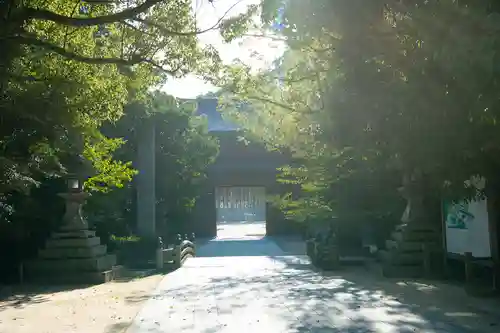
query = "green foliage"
{"x": 124, "y": 239}
{"x": 409, "y": 89}
{"x": 312, "y": 205}
{"x": 308, "y": 208}
{"x": 238, "y": 25}
{"x": 134, "y": 251}
{"x": 184, "y": 150}
{"x": 67, "y": 69}
{"x": 68, "y": 66}
{"x": 110, "y": 173}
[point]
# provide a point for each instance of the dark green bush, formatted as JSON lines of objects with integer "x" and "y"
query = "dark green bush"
{"x": 133, "y": 251}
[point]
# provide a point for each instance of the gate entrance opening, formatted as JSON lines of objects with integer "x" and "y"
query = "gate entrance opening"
{"x": 238, "y": 204}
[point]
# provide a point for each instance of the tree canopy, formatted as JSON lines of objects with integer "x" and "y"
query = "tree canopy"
{"x": 368, "y": 92}
{"x": 75, "y": 78}
{"x": 184, "y": 150}
{"x": 69, "y": 66}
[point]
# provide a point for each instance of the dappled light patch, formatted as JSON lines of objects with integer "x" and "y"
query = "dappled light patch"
{"x": 284, "y": 294}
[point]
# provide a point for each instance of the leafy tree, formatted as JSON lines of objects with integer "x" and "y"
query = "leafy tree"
{"x": 68, "y": 66}
{"x": 409, "y": 89}
{"x": 184, "y": 149}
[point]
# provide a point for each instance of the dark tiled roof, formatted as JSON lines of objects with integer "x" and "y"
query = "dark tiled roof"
{"x": 208, "y": 107}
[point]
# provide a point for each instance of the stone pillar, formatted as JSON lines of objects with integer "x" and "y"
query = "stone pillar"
{"x": 146, "y": 197}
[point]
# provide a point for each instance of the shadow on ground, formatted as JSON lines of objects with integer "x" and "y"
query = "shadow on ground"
{"x": 118, "y": 327}
{"x": 239, "y": 247}
{"x": 19, "y": 296}
{"x": 309, "y": 301}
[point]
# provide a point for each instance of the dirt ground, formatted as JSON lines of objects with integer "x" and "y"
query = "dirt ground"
{"x": 430, "y": 298}
{"x": 435, "y": 300}
{"x": 110, "y": 308}
{"x": 105, "y": 308}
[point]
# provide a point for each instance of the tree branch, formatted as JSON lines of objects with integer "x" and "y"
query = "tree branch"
{"x": 131, "y": 26}
{"x": 273, "y": 38}
{"x": 66, "y": 33}
{"x": 270, "y": 101}
{"x": 187, "y": 33}
{"x": 297, "y": 79}
{"x": 171, "y": 72}
{"x": 42, "y": 14}
{"x": 89, "y": 60}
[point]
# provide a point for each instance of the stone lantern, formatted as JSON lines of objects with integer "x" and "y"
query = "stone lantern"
{"x": 75, "y": 197}
{"x": 74, "y": 254}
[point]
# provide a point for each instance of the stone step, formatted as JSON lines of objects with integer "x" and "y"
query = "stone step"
{"x": 74, "y": 234}
{"x": 96, "y": 264}
{"x": 391, "y": 244}
{"x": 130, "y": 274}
{"x": 76, "y": 252}
{"x": 401, "y": 236}
{"x": 77, "y": 277}
{"x": 72, "y": 242}
{"x": 384, "y": 255}
{"x": 416, "y": 227}
{"x": 353, "y": 260}
{"x": 408, "y": 246}
{"x": 397, "y": 236}
{"x": 401, "y": 258}
{"x": 402, "y": 271}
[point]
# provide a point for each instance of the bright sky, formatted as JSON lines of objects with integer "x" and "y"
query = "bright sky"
{"x": 207, "y": 15}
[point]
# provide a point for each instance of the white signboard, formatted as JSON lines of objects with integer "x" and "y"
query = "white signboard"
{"x": 467, "y": 228}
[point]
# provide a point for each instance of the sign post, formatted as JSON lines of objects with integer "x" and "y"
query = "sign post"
{"x": 467, "y": 228}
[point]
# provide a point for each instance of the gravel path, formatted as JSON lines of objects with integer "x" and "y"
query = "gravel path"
{"x": 249, "y": 284}
{"x": 105, "y": 308}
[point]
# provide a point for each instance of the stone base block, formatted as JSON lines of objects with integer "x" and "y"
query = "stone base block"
{"x": 401, "y": 258}
{"x": 74, "y": 234}
{"x": 42, "y": 266}
{"x": 418, "y": 227}
{"x": 78, "y": 277}
{"x": 406, "y": 246}
{"x": 397, "y": 271}
{"x": 413, "y": 236}
{"x": 72, "y": 242}
{"x": 72, "y": 252}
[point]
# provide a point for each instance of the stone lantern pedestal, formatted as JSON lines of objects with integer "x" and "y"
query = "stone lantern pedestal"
{"x": 407, "y": 251}
{"x": 73, "y": 254}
